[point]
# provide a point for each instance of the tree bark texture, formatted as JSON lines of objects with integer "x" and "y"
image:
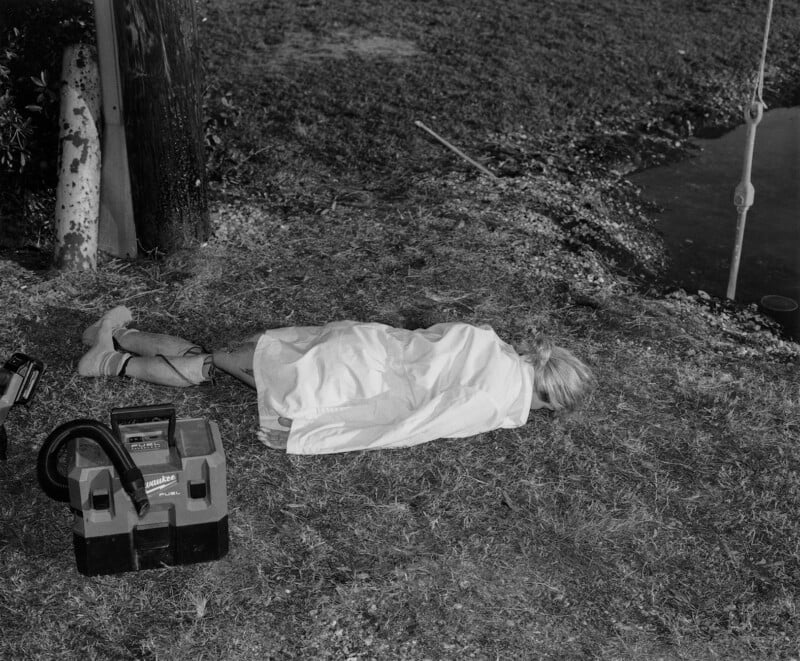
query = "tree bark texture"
{"x": 117, "y": 231}
{"x": 78, "y": 192}
{"x": 159, "y": 63}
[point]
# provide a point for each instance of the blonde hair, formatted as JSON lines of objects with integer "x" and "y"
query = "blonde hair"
{"x": 559, "y": 374}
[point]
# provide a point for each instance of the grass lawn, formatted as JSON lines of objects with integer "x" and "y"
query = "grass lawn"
{"x": 658, "y": 522}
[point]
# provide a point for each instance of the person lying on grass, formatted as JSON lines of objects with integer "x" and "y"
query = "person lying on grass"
{"x": 356, "y": 386}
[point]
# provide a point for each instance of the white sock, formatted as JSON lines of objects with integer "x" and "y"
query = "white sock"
{"x": 119, "y": 317}
{"x": 102, "y": 359}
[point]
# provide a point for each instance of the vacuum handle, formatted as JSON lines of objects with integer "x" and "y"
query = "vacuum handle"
{"x": 131, "y": 414}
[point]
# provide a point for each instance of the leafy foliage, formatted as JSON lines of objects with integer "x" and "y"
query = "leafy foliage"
{"x": 30, "y": 61}
{"x": 15, "y": 130}
{"x": 33, "y": 35}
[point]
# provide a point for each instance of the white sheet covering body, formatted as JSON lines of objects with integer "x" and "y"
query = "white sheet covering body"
{"x": 360, "y": 386}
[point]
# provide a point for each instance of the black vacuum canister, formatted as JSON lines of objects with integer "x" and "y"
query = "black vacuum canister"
{"x": 183, "y": 465}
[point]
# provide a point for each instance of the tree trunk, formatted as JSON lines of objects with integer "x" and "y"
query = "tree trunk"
{"x": 78, "y": 193}
{"x": 160, "y": 78}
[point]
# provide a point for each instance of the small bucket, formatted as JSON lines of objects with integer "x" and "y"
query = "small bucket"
{"x": 784, "y": 310}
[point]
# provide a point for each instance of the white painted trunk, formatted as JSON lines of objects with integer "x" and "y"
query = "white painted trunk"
{"x": 78, "y": 192}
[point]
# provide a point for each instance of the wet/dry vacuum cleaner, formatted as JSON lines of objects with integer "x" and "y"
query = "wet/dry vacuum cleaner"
{"x": 19, "y": 377}
{"x": 149, "y": 492}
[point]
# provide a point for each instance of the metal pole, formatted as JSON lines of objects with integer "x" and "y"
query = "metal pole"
{"x": 745, "y": 193}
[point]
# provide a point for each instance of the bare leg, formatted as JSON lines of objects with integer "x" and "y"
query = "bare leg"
{"x": 177, "y": 371}
{"x": 161, "y": 359}
{"x": 186, "y": 368}
{"x": 154, "y": 344}
{"x": 137, "y": 342}
{"x": 237, "y": 362}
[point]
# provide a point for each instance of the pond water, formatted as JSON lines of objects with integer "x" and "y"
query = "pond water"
{"x": 698, "y": 220}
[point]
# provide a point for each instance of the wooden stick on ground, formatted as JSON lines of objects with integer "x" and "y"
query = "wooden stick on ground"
{"x": 482, "y": 168}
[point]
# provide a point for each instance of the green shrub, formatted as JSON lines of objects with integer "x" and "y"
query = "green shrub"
{"x": 15, "y": 130}
{"x": 33, "y": 34}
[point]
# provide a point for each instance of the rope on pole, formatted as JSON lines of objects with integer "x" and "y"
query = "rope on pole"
{"x": 758, "y": 93}
{"x": 745, "y": 193}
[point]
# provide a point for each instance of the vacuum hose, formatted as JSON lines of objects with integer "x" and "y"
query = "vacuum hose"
{"x": 55, "y": 484}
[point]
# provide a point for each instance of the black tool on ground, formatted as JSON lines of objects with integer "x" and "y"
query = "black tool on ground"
{"x": 19, "y": 377}
{"x": 148, "y": 492}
